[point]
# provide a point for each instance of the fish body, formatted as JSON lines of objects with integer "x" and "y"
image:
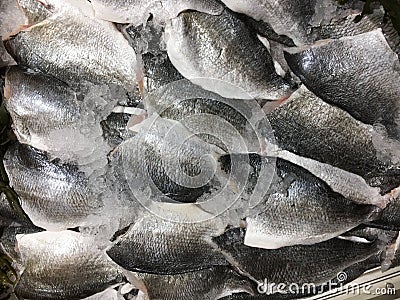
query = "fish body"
{"x": 302, "y": 209}
{"x": 310, "y": 127}
{"x": 164, "y": 161}
{"x": 158, "y": 245}
{"x": 39, "y": 104}
{"x": 53, "y": 195}
{"x": 360, "y": 74}
{"x": 315, "y": 264}
{"x": 215, "y": 52}
{"x": 56, "y": 262}
{"x": 212, "y": 283}
{"x": 83, "y": 48}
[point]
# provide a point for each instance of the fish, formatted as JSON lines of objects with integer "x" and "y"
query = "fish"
{"x": 166, "y": 162}
{"x": 211, "y": 283}
{"x": 310, "y": 127}
{"x": 38, "y": 104}
{"x": 299, "y": 264}
{"x": 240, "y": 129}
{"x": 299, "y": 14}
{"x": 300, "y": 209}
{"x": 76, "y": 50}
{"x": 56, "y": 262}
{"x": 214, "y": 52}
{"x": 137, "y": 12}
{"x": 169, "y": 240}
{"x": 34, "y": 11}
{"x": 11, "y": 17}
{"x": 349, "y": 185}
{"x": 362, "y": 76}
{"x": 54, "y": 195}
{"x": 115, "y": 129}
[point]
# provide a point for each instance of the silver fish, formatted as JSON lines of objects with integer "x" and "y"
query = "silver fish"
{"x": 315, "y": 264}
{"x": 310, "y": 127}
{"x": 76, "y": 50}
{"x": 300, "y": 209}
{"x": 212, "y": 283}
{"x": 215, "y": 52}
{"x": 52, "y": 194}
{"x": 57, "y": 262}
{"x": 299, "y": 14}
{"x": 360, "y": 74}
{"x": 39, "y": 104}
{"x": 138, "y": 11}
{"x": 161, "y": 245}
{"x": 166, "y": 162}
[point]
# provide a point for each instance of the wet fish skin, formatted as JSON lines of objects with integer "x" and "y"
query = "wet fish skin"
{"x": 137, "y": 11}
{"x": 389, "y": 219}
{"x": 310, "y": 127}
{"x": 316, "y": 263}
{"x": 38, "y": 104}
{"x": 80, "y": 45}
{"x": 34, "y": 10}
{"x": 278, "y": 14}
{"x": 52, "y": 194}
{"x": 302, "y": 210}
{"x": 115, "y": 128}
{"x": 158, "y": 246}
{"x": 212, "y": 283}
{"x": 206, "y": 48}
{"x": 169, "y": 160}
{"x": 56, "y": 262}
{"x": 359, "y": 74}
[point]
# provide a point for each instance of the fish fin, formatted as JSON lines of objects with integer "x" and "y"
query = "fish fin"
{"x": 269, "y": 106}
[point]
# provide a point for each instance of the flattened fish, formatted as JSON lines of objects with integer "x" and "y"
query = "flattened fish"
{"x": 310, "y": 127}
{"x": 222, "y": 55}
{"x": 138, "y": 11}
{"x": 166, "y": 162}
{"x": 219, "y": 121}
{"x": 57, "y": 262}
{"x": 279, "y": 14}
{"x": 164, "y": 246}
{"x": 52, "y": 194}
{"x": 83, "y": 48}
{"x": 212, "y": 283}
{"x": 302, "y": 209}
{"x": 359, "y": 74}
{"x": 316, "y": 263}
{"x": 39, "y": 104}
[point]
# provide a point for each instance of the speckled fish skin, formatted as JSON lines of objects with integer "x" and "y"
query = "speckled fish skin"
{"x": 316, "y": 263}
{"x": 189, "y": 104}
{"x": 209, "y": 284}
{"x": 38, "y": 104}
{"x": 34, "y": 10}
{"x": 218, "y": 47}
{"x": 137, "y": 11}
{"x": 279, "y": 14}
{"x": 167, "y": 159}
{"x": 83, "y": 48}
{"x": 52, "y": 194}
{"x": 359, "y": 74}
{"x": 310, "y": 127}
{"x": 158, "y": 246}
{"x": 56, "y": 264}
{"x": 302, "y": 210}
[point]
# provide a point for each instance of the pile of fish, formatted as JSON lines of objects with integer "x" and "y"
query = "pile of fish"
{"x": 202, "y": 149}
